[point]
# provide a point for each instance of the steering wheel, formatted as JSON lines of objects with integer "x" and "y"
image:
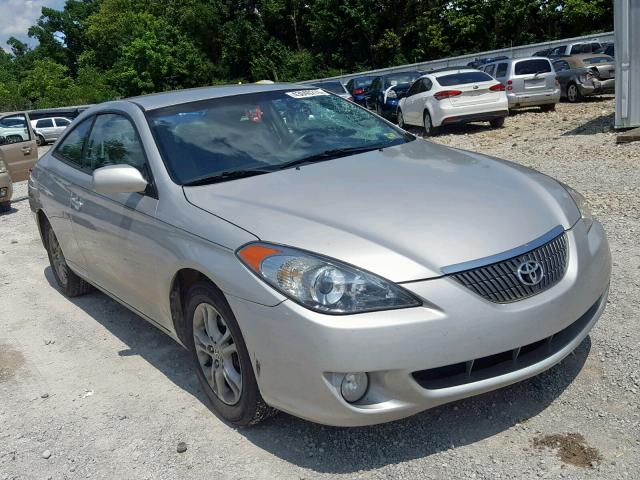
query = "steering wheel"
{"x": 305, "y": 135}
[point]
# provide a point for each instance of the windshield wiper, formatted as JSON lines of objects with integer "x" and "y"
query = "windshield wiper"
{"x": 224, "y": 176}
{"x": 329, "y": 155}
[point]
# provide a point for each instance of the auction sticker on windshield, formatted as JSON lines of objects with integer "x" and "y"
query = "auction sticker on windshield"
{"x": 306, "y": 93}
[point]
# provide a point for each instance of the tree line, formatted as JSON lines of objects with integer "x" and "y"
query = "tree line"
{"x": 96, "y": 50}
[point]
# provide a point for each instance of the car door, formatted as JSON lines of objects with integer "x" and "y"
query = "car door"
{"x": 408, "y": 103}
{"x": 418, "y": 101}
{"x": 61, "y": 125}
{"x": 62, "y": 176}
{"x": 372, "y": 93}
{"x": 18, "y": 147}
{"x": 116, "y": 232}
{"x": 46, "y": 128}
{"x": 563, "y": 73}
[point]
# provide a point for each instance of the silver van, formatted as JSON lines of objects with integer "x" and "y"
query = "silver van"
{"x": 529, "y": 82}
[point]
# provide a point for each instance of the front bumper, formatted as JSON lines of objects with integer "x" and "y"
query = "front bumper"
{"x": 6, "y": 187}
{"x": 298, "y": 354}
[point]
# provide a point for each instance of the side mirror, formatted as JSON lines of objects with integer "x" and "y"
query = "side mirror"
{"x": 118, "y": 179}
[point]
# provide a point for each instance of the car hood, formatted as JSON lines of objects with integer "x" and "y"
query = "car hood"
{"x": 403, "y": 213}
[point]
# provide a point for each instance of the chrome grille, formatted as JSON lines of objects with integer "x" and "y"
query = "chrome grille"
{"x": 499, "y": 283}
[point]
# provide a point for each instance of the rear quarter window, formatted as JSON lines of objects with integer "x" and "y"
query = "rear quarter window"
{"x": 529, "y": 67}
{"x": 501, "y": 71}
{"x": 462, "y": 78}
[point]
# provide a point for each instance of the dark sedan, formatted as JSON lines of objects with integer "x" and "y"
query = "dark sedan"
{"x": 387, "y": 90}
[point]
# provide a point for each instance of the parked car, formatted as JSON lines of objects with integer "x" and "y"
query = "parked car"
{"x": 609, "y": 49}
{"x": 18, "y": 153}
{"x": 479, "y": 62}
{"x": 529, "y": 82}
{"x": 585, "y": 75}
{"x": 6, "y": 187}
{"x": 453, "y": 96}
{"x": 49, "y": 129}
{"x": 386, "y": 91}
{"x": 334, "y": 266}
{"x": 572, "y": 49}
{"x": 358, "y": 87}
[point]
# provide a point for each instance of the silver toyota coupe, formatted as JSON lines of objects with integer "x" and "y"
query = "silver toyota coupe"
{"x": 315, "y": 258}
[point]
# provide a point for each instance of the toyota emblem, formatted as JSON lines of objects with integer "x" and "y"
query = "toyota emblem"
{"x": 530, "y": 273}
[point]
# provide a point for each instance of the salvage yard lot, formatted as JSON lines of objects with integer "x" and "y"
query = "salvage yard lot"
{"x": 103, "y": 394}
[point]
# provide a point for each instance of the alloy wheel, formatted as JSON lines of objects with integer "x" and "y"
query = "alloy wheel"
{"x": 572, "y": 93}
{"x": 427, "y": 123}
{"x": 400, "y": 119}
{"x": 217, "y": 353}
{"x": 57, "y": 258}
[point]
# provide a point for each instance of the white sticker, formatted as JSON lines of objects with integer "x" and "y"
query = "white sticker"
{"x": 307, "y": 93}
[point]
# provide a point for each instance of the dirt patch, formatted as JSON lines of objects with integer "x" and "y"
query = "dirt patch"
{"x": 571, "y": 448}
{"x": 10, "y": 362}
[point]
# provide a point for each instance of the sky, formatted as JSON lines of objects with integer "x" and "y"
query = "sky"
{"x": 16, "y": 16}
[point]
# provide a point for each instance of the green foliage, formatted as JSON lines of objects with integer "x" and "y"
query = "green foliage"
{"x": 96, "y": 50}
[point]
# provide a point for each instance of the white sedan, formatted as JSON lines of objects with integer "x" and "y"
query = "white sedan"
{"x": 453, "y": 96}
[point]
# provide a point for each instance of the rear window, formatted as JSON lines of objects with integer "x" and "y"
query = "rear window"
{"x": 333, "y": 87}
{"x": 463, "y": 78}
{"x": 529, "y": 67}
{"x": 362, "y": 82}
{"x": 594, "y": 60}
{"x": 400, "y": 78}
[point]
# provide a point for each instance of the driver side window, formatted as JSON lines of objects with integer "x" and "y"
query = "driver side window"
{"x": 414, "y": 88}
{"x": 113, "y": 141}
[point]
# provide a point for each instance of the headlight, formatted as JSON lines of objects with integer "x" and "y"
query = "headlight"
{"x": 322, "y": 284}
{"x": 3, "y": 166}
{"x": 582, "y": 204}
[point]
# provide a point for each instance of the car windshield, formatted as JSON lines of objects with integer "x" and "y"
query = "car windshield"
{"x": 595, "y": 60}
{"x": 400, "y": 79}
{"x": 220, "y": 138}
{"x": 462, "y": 78}
{"x": 530, "y": 67}
{"x": 333, "y": 87}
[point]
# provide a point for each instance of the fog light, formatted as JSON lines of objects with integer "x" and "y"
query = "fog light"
{"x": 354, "y": 386}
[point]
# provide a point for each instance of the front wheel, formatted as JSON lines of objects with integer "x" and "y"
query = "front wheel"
{"x": 497, "y": 122}
{"x": 5, "y": 207}
{"x": 400, "y": 118}
{"x": 40, "y": 141}
{"x": 223, "y": 365}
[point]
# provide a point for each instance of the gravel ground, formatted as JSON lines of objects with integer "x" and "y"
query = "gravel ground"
{"x": 89, "y": 390}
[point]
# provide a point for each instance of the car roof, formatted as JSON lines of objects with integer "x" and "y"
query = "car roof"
{"x": 177, "y": 97}
{"x": 442, "y": 73}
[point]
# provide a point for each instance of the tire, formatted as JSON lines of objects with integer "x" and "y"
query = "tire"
{"x": 40, "y": 141}
{"x": 429, "y": 129}
{"x": 497, "y": 122}
{"x": 70, "y": 284}
{"x": 400, "y": 119}
{"x": 5, "y": 207}
{"x": 573, "y": 93}
{"x": 208, "y": 314}
{"x": 548, "y": 108}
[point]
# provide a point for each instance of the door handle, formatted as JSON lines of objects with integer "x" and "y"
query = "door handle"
{"x": 75, "y": 201}
{"x": 26, "y": 150}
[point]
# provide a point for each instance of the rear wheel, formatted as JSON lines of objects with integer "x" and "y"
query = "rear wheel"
{"x": 548, "y": 108}
{"x": 429, "y": 129}
{"x": 40, "y": 141}
{"x": 223, "y": 364}
{"x": 573, "y": 93}
{"x": 497, "y": 122}
{"x": 70, "y": 284}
